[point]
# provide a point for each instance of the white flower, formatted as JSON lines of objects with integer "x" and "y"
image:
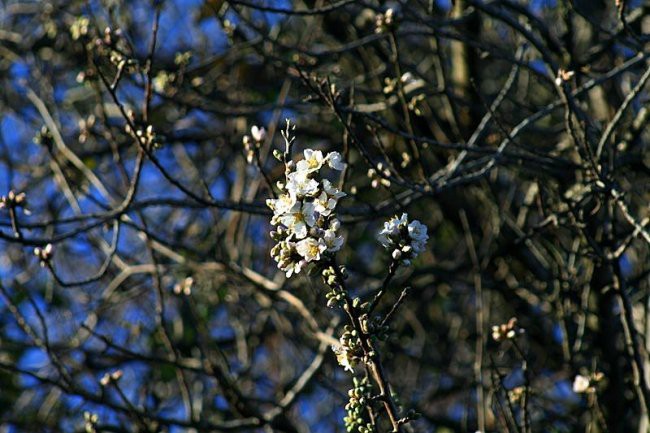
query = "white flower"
{"x": 287, "y": 257}
{"x": 300, "y": 184}
{"x": 311, "y": 248}
{"x": 404, "y": 240}
{"x": 282, "y": 204}
{"x": 581, "y": 384}
{"x": 299, "y": 218}
{"x": 325, "y": 204}
{"x": 44, "y": 254}
{"x": 335, "y": 161}
{"x": 258, "y": 133}
{"x": 407, "y": 78}
{"x": 332, "y": 241}
{"x": 383, "y": 239}
{"x": 313, "y": 161}
{"x": 391, "y": 230}
{"x": 331, "y": 190}
{"x": 343, "y": 358}
{"x": 506, "y": 331}
{"x": 304, "y": 210}
{"x": 328, "y": 198}
{"x": 419, "y": 236}
{"x": 294, "y": 268}
{"x": 418, "y": 231}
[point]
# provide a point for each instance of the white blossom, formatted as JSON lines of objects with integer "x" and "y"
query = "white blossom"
{"x": 299, "y": 218}
{"x": 328, "y": 198}
{"x": 335, "y": 161}
{"x": 332, "y": 241}
{"x": 343, "y": 358}
{"x": 581, "y": 384}
{"x": 404, "y": 240}
{"x": 287, "y": 257}
{"x": 44, "y": 254}
{"x": 331, "y": 190}
{"x": 506, "y": 331}
{"x": 294, "y": 268}
{"x": 300, "y": 184}
{"x": 258, "y": 133}
{"x": 307, "y": 228}
{"x": 283, "y": 204}
{"x": 391, "y": 230}
{"x": 313, "y": 161}
{"x": 325, "y": 204}
{"x": 418, "y": 233}
{"x": 311, "y": 248}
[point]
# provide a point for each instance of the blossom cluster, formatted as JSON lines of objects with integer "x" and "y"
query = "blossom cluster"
{"x": 44, "y": 254}
{"x": 111, "y": 377}
{"x": 506, "y": 331}
{"x": 253, "y": 142}
{"x": 13, "y": 201}
{"x": 587, "y": 384}
{"x": 404, "y": 240}
{"x": 385, "y": 22}
{"x": 307, "y": 228}
{"x": 91, "y": 420}
{"x": 348, "y": 352}
{"x": 184, "y": 287}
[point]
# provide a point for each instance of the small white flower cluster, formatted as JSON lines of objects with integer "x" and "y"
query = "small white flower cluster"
{"x": 391, "y": 83}
{"x": 404, "y": 240}
{"x": 587, "y": 384}
{"x": 90, "y": 421}
{"x": 379, "y": 176}
{"x": 506, "y": 331}
{"x": 44, "y": 254}
{"x": 79, "y": 27}
{"x": 111, "y": 377}
{"x": 147, "y": 137}
{"x": 580, "y": 384}
{"x": 253, "y": 142}
{"x": 184, "y": 287}
{"x": 13, "y": 201}
{"x": 304, "y": 213}
{"x": 344, "y": 359}
{"x": 563, "y": 76}
{"x": 385, "y": 22}
{"x": 348, "y": 352}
